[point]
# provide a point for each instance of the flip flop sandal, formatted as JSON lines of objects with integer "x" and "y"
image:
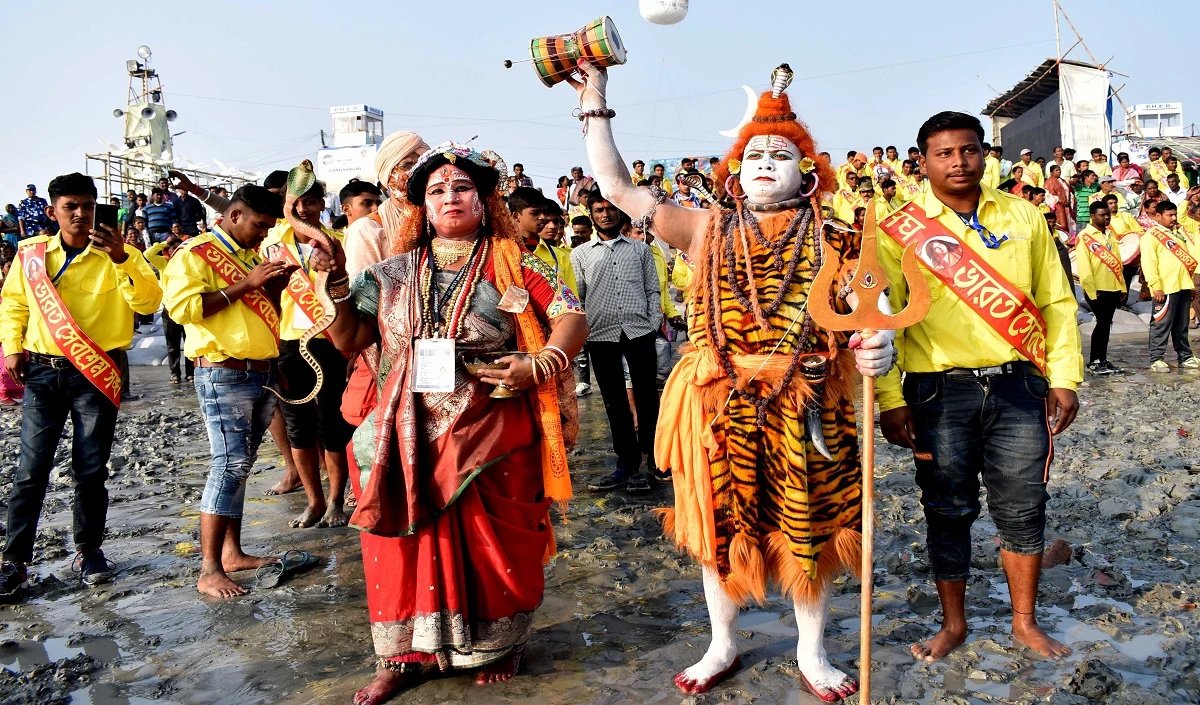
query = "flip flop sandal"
{"x": 269, "y": 575}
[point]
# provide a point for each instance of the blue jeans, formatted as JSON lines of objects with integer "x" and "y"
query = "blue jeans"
{"x": 237, "y": 410}
{"x": 50, "y": 396}
{"x": 967, "y": 427}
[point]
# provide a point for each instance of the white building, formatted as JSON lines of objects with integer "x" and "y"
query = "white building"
{"x": 1155, "y": 119}
{"x": 357, "y": 132}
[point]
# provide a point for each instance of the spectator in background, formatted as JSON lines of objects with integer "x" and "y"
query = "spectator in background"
{"x": 1126, "y": 171}
{"x": 519, "y": 174}
{"x": 1083, "y": 193}
{"x": 190, "y": 214}
{"x": 1173, "y": 168}
{"x": 164, "y": 185}
{"x": 1099, "y": 164}
{"x": 1058, "y": 196}
{"x": 563, "y": 190}
{"x": 160, "y": 215}
{"x": 139, "y": 205}
{"x": 581, "y": 230}
{"x": 1064, "y": 164}
{"x": 32, "y": 213}
{"x": 580, "y": 185}
{"x": 638, "y": 175}
{"x": 618, "y": 285}
{"x": 10, "y": 225}
{"x": 660, "y": 171}
{"x": 1174, "y": 192}
{"x": 684, "y": 196}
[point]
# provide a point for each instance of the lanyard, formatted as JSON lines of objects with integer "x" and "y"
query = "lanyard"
{"x": 990, "y": 241}
{"x": 70, "y": 258}
{"x": 232, "y": 250}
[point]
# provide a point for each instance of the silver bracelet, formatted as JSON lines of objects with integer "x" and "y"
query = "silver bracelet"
{"x": 347, "y": 297}
{"x": 227, "y": 299}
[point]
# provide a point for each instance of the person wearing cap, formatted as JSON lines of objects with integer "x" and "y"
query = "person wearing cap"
{"x": 1108, "y": 184}
{"x": 978, "y": 402}
{"x": 1099, "y": 163}
{"x": 1104, "y": 286}
{"x": 1033, "y": 174}
{"x": 32, "y": 213}
{"x": 464, "y": 466}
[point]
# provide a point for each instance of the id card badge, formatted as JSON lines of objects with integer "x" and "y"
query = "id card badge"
{"x": 434, "y": 361}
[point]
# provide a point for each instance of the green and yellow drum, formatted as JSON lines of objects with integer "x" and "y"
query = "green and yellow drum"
{"x": 556, "y": 57}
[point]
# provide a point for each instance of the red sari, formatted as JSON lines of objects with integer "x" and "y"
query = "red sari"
{"x": 454, "y": 515}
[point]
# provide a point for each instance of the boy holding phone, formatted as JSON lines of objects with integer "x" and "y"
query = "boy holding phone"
{"x": 97, "y": 284}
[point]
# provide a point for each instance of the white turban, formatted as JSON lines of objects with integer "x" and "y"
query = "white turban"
{"x": 393, "y": 150}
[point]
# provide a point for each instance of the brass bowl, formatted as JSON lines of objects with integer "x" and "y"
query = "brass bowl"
{"x": 477, "y": 363}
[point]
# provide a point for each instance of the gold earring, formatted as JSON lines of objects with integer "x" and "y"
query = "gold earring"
{"x": 483, "y": 220}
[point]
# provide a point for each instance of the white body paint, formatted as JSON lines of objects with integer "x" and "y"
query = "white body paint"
{"x": 770, "y": 170}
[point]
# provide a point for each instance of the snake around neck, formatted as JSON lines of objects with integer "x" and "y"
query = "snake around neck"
{"x": 300, "y": 180}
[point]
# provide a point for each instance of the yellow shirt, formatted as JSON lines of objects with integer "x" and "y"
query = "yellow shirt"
{"x": 884, "y": 208}
{"x": 842, "y": 171}
{"x": 897, "y": 165}
{"x": 638, "y": 179}
{"x": 1101, "y": 168}
{"x": 991, "y": 171}
{"x": 1162, "y": 269}
{"x": 292, "y": 320}
{"x": 154, "y": 256}
{"x": 559, "y": 259}
{"x": 101, "y": 296}
{"x": 1121, "y": 202}
{"x": 1093, "y": 274}
{"x": 1157, "y": 170}
{"x": 665, "y": 302}
{"x": 233, "y": 332}
{"x": 844, "y": 205}
{"x": 953, "y": 335}
{"x": 682, "y": 273}
{"x": 1033, "y": 174}
{"x": 1123, "y": 223}
{"x": 1188, "y": 224}
{"x": 1183, "y": 179}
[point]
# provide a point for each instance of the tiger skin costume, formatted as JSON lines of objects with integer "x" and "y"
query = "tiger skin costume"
{"x": 761, "y": 504}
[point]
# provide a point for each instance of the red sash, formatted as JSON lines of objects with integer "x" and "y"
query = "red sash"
{"x": 301, "y": 289}
{"x": 231, "y": 271}
{"x": 1168, "y": 240}
{"x": 1101, "y": 252}
{"x": 996, "y": 300}
{"x": 92, "y": 362}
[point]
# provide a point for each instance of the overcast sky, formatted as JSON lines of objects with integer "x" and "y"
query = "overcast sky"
{"x": 253, "y": 81}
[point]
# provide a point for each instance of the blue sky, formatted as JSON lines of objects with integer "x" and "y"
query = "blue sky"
{"x": 868, "y": 72}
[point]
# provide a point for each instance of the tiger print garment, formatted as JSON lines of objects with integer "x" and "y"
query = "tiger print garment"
{"x": 782, "y": 511}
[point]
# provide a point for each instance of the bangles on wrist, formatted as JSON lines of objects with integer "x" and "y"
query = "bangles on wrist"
{"x": 548, "y": 362}
{"x": 338, "y": 289}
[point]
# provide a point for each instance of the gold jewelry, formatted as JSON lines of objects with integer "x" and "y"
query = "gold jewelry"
{"x": 447, "y": 252}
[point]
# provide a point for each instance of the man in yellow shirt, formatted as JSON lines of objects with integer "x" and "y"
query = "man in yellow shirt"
{"x": 1032, "y": 170}
{"x": 1103, "y": 289}
{"x": 971, "y": 402}
{"x": 1123, "y": 224}
{"x": 1171, "y": 285}
{"x": 1155, "y": 168}
{"x": 1099, "y": 163}
{"x": 888, "y": 199}
{"x": 893, "y": 159}
{"x": 854, "y": 164}
{"x": 1172, "y": 167}
{"x": 638, "y": 175}
{"x": 102, "y": 282}
{"x": 234, "y": 345}
{"x": 847, "y": 199}
{"x": 671, "y": 315}
{"x": 321, "y": 418}
{"x": 530, "y": 209}
{"x": 991, "y": 166}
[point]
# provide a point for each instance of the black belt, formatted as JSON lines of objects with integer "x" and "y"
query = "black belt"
{"x": 59, "y": 362}
{"x": 1019, "y": 369}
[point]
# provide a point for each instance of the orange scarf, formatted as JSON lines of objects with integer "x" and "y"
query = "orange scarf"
{"x": 506, "y": 259}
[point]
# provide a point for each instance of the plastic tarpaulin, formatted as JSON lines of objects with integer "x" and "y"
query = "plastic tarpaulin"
{"x": 1084, "y": 98}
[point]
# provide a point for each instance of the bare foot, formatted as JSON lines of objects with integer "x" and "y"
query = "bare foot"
{"x": 231, "y": 563}
{"x": 1031, "y": 635}
{"x": 217, "y": 584}
{"x": 948, "y": 638}
{"x": 308, "y": 518}
{"x": 290, "y": 482}
{"x": 719, "y": 661}
{"x": 500, "y": 671}
{"x": 826, "y": 682}
{"x": 334, "y": 517}
{"x": 386, "y": 684}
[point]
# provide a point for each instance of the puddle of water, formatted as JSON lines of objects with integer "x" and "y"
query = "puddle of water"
{"x": 1082, "y": 601}
{"x": 764, "y": 623}
{"x": 109, "y": 694}
{"x": 852, "y": 624}
{"x": 34, "y": 653}
{"x": 1139, "y": 648}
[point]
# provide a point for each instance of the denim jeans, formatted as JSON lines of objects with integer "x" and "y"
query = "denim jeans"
{"x": 237, "y": 410}
{"x": 50, "y": 396}
{"x": 967, "y": 427}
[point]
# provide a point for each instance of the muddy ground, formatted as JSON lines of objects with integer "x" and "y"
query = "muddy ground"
{"x": 623, "y": 612}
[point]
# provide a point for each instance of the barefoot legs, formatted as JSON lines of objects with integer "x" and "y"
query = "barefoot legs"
{"x": 825, "y": 681}
{"x": 722, "y": 653}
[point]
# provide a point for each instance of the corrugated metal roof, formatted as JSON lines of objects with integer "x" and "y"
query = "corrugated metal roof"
{"x": 1184, "y": 148}
{"x": 1039, "y": 85}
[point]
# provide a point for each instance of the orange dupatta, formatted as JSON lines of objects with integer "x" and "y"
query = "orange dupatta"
{"x": 506, "y": 260}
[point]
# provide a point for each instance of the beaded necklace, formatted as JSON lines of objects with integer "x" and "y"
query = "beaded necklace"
{"x": 799, "y": 229}
{"x": 461, "y": 291}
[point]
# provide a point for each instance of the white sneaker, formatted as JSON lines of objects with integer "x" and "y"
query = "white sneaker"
{"x": 583, "y": 389}
{"x": 1160, "y": 366}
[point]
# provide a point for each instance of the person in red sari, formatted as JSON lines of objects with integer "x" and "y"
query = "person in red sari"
{"x": 456, "y": 486}
{"x": 1057, "y": 187}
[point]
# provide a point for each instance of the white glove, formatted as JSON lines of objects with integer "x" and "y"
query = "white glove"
{"x": 873, "y": 356}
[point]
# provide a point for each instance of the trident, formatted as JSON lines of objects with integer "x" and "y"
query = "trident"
{"x": 868, "y": 284}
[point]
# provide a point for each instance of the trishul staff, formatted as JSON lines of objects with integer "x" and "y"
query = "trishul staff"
{"x": 868, "y": 284}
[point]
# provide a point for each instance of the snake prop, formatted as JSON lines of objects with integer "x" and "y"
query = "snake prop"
{"x": 299, "y": 181}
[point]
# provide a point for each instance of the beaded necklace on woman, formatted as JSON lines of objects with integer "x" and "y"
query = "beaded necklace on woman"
{"x": 439, "y": 253}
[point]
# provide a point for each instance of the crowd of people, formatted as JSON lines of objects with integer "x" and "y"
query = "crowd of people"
{"x": 455, "y": 285}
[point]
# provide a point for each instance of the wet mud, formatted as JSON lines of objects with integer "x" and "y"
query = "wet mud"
{"x": 623, "y": 611}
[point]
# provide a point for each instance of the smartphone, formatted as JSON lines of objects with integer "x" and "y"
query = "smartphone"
{"x": 106, "y": 214}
